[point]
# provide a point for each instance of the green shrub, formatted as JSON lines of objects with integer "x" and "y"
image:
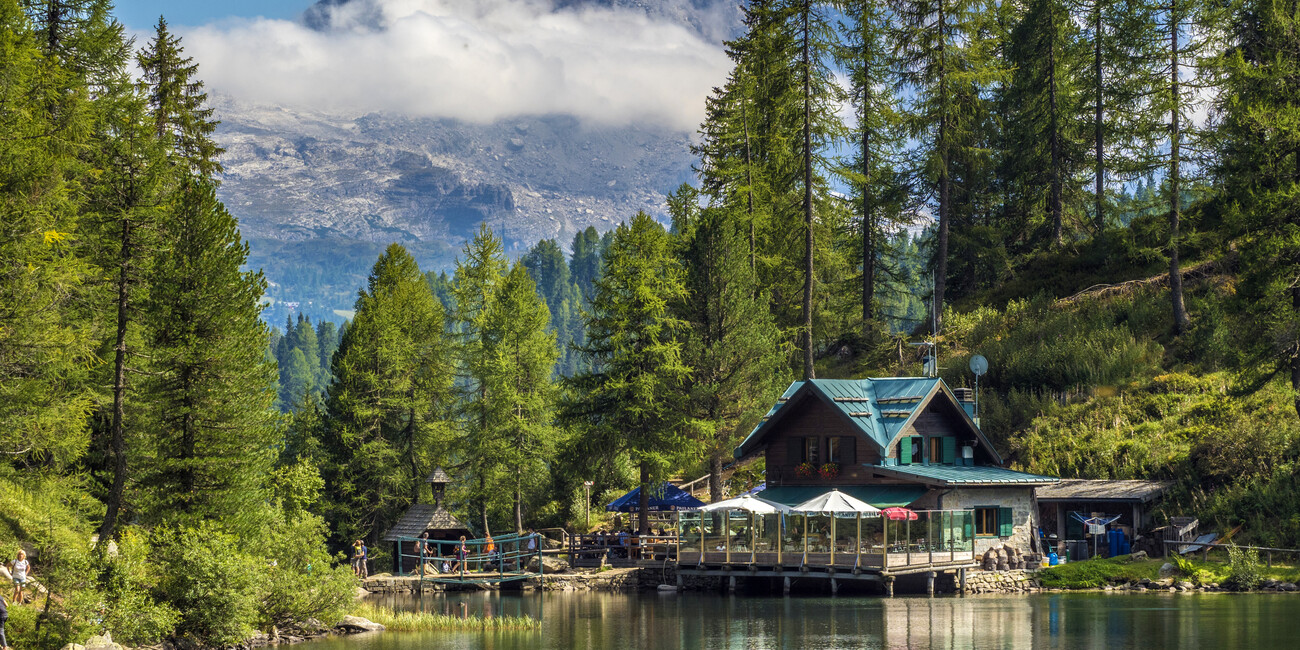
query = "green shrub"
{"x": 127, "y": 608}
{"x": 1244, "y": 569}
{"x": 302, "y": 581}
{"x": 214, "y": 582}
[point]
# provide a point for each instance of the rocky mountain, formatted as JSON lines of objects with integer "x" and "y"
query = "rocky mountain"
{"x": 294, "y": 174}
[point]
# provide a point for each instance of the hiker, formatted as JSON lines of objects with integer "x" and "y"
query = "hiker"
{"x": 359, "y": 559}
{"x": 4, "y": 618}
{"x": 532, "y": 541}
{"x": 20, "y": 570}
{"x": 462, "y": 552}
{"x": 489, "y": 550}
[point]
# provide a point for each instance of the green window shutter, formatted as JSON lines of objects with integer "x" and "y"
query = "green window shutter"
{"x": 794, "y": 450}
{"x": 1004, "y": 522}
{"x": 949, "y": 450}
{"x": 905, "y": 451}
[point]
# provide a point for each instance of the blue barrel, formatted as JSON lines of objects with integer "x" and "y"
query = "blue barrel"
{"x": 1113, "y": 540}
{"x": 1053, "y": 559}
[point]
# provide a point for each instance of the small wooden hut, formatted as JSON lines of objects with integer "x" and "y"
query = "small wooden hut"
{"x": 424, "y": 518}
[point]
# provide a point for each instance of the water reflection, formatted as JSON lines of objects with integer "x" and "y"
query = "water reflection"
{"x": 689, "y": 621}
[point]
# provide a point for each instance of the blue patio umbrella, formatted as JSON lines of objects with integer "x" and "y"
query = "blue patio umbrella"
{"x": 667, "y": 498}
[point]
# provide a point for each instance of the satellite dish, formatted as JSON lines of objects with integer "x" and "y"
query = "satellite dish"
{"x": 979, "y": 365}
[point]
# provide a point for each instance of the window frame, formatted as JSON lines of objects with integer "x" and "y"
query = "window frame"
{"x": 812, "y": 450}
{"x": 992, "y": 513}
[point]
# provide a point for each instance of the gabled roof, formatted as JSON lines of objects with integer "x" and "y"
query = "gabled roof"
{"x": 1131, "y": 491}
{"x": 438, "y": 476}
{"x": 421, "y": 517}
{"x": 879, "y": 408}
{"x": 945, "y": 475}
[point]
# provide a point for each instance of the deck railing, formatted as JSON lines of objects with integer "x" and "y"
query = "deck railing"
{"x": 595, "y": 549}
{"x": 507, "y": 558}
{"x": 935, "y": 537}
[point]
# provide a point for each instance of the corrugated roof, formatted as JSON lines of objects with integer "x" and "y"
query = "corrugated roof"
{"x": 421, "y": 517}
{"x": 965, "y": 475}
{"x": 880, "y": 496}
{"x": 1077, "y": 489}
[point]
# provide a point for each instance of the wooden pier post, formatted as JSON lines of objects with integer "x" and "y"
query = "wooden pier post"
{"x": 731, "y": 584}
{"x": 835, "y": 587}
{"x": 679, "y": 582}
{"x": 929, "y": 583}
{"x": 961, "y": 580}
{"x": 785, "y": 588}
{"x": 889, "y": 586}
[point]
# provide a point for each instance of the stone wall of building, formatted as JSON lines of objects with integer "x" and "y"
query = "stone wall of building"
{"x": 1019, "y": 499}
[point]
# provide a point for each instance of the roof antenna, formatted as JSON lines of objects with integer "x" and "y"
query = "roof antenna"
{"x": 931, "y": 360}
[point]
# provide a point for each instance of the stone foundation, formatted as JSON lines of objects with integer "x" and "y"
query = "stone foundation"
{"x": 1001, "y": 582}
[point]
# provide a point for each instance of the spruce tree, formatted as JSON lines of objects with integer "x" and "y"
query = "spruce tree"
{"x": 177, "y": 103}
{"x": 389, "y": 408}
{"x": 209, "y": 386}
{"x": 629, "y": 397}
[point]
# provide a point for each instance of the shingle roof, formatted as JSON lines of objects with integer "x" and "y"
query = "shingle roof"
{"x": 1077, "y": 489}
{"x": 964, "y": 475}
{"x": 880, "y": 408}
{"x": 421, "y": 517}
{"x": 438, "y": 476}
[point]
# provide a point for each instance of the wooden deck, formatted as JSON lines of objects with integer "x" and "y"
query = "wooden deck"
{"x": 877, "y": 563}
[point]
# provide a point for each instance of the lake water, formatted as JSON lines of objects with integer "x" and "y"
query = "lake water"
{"x": 1103, "y": 621}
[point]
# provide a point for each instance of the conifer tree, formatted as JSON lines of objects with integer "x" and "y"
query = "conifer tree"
{"x": 1042, "y": 119}
{"x": 177, "y": 103}
{"x": 210, "y": 386}
{"x": 629, "y": 397}
{"x": 865, "y": 52}
{"x": 520, "y": 364}
{"x": 45, "y": 344}
{"x": 731, "y": 343}
{"x": 1260, "y": 175}
{"x": 389, "y": 408}
{"x": 945, "y": 62}
{"x": 478, "y": 276}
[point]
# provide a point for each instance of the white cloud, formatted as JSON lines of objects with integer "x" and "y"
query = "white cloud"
{"x": 474, "y": 60}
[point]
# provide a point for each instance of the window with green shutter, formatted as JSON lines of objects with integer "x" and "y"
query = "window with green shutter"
{"x": 949, "y": 450}
{"x": 905, "y": 451}
{"x": 1005, "y": 523}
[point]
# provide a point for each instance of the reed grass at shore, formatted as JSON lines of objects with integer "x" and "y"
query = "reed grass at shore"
{"x": 396, "y": 621}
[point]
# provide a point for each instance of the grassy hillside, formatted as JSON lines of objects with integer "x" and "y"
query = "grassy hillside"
{"x": 1092, "y": 384}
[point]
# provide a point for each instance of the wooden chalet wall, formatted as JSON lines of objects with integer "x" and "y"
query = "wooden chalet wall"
{"x": 810, "y": 417}
{"x": 941, "y": 418}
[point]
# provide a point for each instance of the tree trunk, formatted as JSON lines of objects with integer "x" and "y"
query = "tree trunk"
{"x": 868, "y": 222}
{"x": 188, "y": 443}
{"x": 808, "y": 371}
{"x": 643, "y": 514}
{"x": 117, "y": 439}
{"x": 941, "y": 245}
{"x": 416, "y": 479}
{"x": 483, "y": 507}
{"x": 1175, "y": 273}
{"x": 1055, "y": 127}
{"x": 749, "y": 181}
{"x": 519, "y": 503}
{"x": 1295, "y": 358}
{"x": 1099, "y": 173}
{"x": 715, "y": 478}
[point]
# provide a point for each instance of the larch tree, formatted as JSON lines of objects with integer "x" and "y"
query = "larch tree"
{"x": 1259, "y": 173}
{"x": 629, "y": 399}
{"x": 520, "y": 364}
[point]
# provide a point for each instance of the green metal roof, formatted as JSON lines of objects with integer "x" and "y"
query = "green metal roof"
{"x": 965, "y": 475}
{"x": 880, "y": 496}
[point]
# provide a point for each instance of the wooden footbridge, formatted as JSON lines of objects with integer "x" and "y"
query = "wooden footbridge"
{"x": 485, "y": 561}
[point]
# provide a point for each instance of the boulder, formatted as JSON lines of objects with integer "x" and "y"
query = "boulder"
{"x": 1137, "y": 556}
{"x": 1184, "y": 585}
{"x": 351, "y": 624}
{"x": 1287, "y": 586}
{"x": 1167, "y": 570}
{"x": 104, "y": 642}
{"x": 550, "y": 564}
{"x": 73, "y": 646}
{"x": 990, "y": 560}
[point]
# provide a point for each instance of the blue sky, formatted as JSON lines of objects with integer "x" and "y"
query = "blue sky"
{"x": 141, "y": 14}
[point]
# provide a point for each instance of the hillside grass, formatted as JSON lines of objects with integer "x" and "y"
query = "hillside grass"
{"x": 1099, "y": 572}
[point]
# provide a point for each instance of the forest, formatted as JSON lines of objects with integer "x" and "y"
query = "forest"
{"x": 1099, "y": 197}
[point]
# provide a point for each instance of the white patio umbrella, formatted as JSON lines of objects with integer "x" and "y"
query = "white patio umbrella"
{"x": 751, "y": 504}
{"x": 832, "y": 503}
{"x": 748, "y": 503}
